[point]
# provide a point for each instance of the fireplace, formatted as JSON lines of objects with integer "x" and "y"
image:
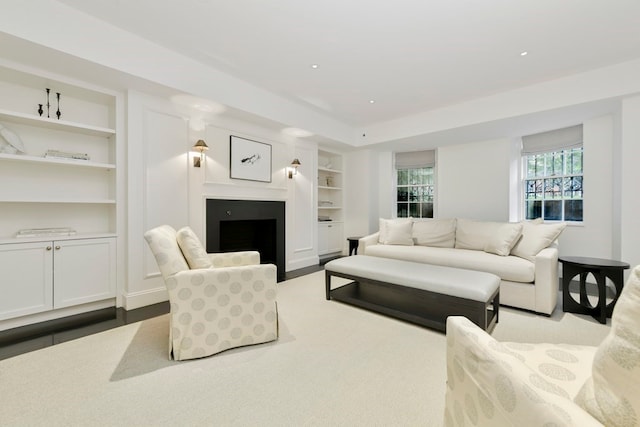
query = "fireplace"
{"x": 247, "y": 225}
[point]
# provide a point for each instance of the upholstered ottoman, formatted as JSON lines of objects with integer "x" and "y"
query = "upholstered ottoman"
{"x": 419, "y": 293}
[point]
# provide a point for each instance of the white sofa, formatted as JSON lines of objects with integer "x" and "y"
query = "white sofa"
{"x": 524, "y": 255}
{"x": 492, "y": 383}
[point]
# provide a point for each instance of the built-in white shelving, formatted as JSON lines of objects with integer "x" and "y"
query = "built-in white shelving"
{"x": 330, "y": 203}
{"x": 48, "y": 275}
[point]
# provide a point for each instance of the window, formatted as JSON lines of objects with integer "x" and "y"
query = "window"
{"x": 415, "y": 184}
{"x": 414, "y": 192}
{"x": 553, "y": 179}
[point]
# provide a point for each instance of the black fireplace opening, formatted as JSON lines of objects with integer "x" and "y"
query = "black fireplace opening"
{"x": 250, "y": 234}
{"x": 248, "y": 225}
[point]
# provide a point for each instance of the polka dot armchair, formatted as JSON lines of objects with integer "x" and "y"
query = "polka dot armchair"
{"x": 491, "y": 383}
{"x": 218, "y": 301}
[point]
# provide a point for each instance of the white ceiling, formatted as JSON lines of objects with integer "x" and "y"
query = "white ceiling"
{"x": 409, "y": 56}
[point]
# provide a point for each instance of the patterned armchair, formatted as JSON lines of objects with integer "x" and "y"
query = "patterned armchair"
{"x": 218, "y": 301}
{"x": 492, "y": 383}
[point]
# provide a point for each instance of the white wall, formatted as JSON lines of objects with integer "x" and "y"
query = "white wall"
{"x": 473, "y": 180}
{"x": 158, "y": 189}
{"x": 593, "y": 238}
{"x": 630, "y": 171}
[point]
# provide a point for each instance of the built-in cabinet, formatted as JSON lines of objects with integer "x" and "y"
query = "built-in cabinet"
{"x": 48, "y": 275}
{"x": 59, "y": 172}
{"x": 330, "y": 203}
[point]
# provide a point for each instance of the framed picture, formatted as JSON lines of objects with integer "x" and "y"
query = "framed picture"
{"x": 250, "y": 160}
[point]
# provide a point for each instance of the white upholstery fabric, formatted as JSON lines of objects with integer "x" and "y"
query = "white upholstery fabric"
{"x": 473, "y": 285}
{"x": 437, "y": 233}
{"x": 504, "y": 239}
{"x": 235, "y": 259}
{"x": 474, "y": 234}
{"x": 215, "y": 309}
{"x": 612, "y": 393}
{"x": 383, "y": 224}
{"x": 399, "y": 233}
{"x": 507, "y": 268}
{"x": 536, "y": 237}
{"x": 192, "y": 249}
{"x": 509, "y": 384}
{"x": 164, "y": 246}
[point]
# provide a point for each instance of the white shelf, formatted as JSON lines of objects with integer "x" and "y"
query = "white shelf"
{"x": 323, "y": 187}
{"x": 322, "y": 169}
{"x": 61, "y": 201}
{"x": 48, "y": 123}
{"x": 330, "y": 207}
{"x": 56, "y": 161}
{"x": 7, "y": 240}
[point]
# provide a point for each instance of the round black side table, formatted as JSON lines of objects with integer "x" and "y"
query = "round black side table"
{"x": 353, "y": 244}
{"x": 601, "y": 270}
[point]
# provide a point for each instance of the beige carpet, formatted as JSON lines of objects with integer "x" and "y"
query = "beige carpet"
{"x": 334, "y": 365}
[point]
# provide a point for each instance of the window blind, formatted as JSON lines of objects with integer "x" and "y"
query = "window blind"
{"x": 415, "y": 159}
{"x": 553, "y": 140}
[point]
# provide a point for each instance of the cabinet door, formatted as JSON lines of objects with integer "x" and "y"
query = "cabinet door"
{"x": 323, "y": 239}
{"x": 26, "y": 283}
{"x": 329, "y": 238}
{"x": 335, "y": 237}
{"x": 83, "y": 271}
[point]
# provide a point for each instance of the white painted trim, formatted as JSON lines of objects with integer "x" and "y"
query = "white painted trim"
{"x": 302, "y": 263}
{"x": 56, "y": 314}
{"x": 143, "y": 298}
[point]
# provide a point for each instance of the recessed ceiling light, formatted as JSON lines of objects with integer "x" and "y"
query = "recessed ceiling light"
{"x": 524, "y": 53}
{"x": 314, "y": 66}
{"x": 372, "y": 101}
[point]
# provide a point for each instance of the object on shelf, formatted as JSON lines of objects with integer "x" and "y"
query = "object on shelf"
{"x": 58, "y": 113}
{"x": 325, "y": 203}
{"x": 329, "y": 180}
{"x": 44, "y": 232}
{"x": 11, "y": 142}
{"x": 48, "y": 104}
{"x": 57, "y": 154}
{"x": 324, "y": 218}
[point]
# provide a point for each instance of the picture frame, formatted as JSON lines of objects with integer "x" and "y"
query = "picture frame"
{"x": 249, "y": 160}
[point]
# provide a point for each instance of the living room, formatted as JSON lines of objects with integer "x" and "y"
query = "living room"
{"x": 165, "y": 101}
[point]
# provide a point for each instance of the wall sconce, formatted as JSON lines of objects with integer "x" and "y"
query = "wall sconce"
{"x": 201, "y": 147}
{"x": 293, "y": 169}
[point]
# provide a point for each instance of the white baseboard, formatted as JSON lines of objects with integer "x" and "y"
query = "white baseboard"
{"x": 55, "y": 314}
{"x": 143, "y": 298}
{"x": 302, "y": 263}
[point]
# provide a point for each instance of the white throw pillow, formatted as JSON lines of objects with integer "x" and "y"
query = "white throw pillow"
{"x": 399, "y": 233}
{"x": 192, "y": 249}
{"x": 383, "y": 227}
{"x": 612, "y": 394}
{"x": 438, "y": 233}
{"x": 505, "y": 238}
{"x": 536, "y": 237}
{"x": 474, "y": 234}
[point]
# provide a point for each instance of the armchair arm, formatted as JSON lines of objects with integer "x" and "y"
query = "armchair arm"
{"x": 546, "y": 280}
{"x": 488, "y": 385}
{"x": 371, "y": 239}
{"x": 235, "y": 259}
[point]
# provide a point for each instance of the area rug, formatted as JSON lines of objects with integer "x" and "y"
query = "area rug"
{"x": 333, "y": 364}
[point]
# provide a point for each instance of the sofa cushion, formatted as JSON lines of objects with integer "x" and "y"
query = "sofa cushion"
{"x": 439, "y": 233}
{"x": 536, "y": 237}
{"x": 192, "y": 249}
{"x": 508, "y": 268}
{"x": 504, "y": 239}
{"x": 395, "y": 231}
{"x": 474, "y": 234}
{"x": 612, "y": 394}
